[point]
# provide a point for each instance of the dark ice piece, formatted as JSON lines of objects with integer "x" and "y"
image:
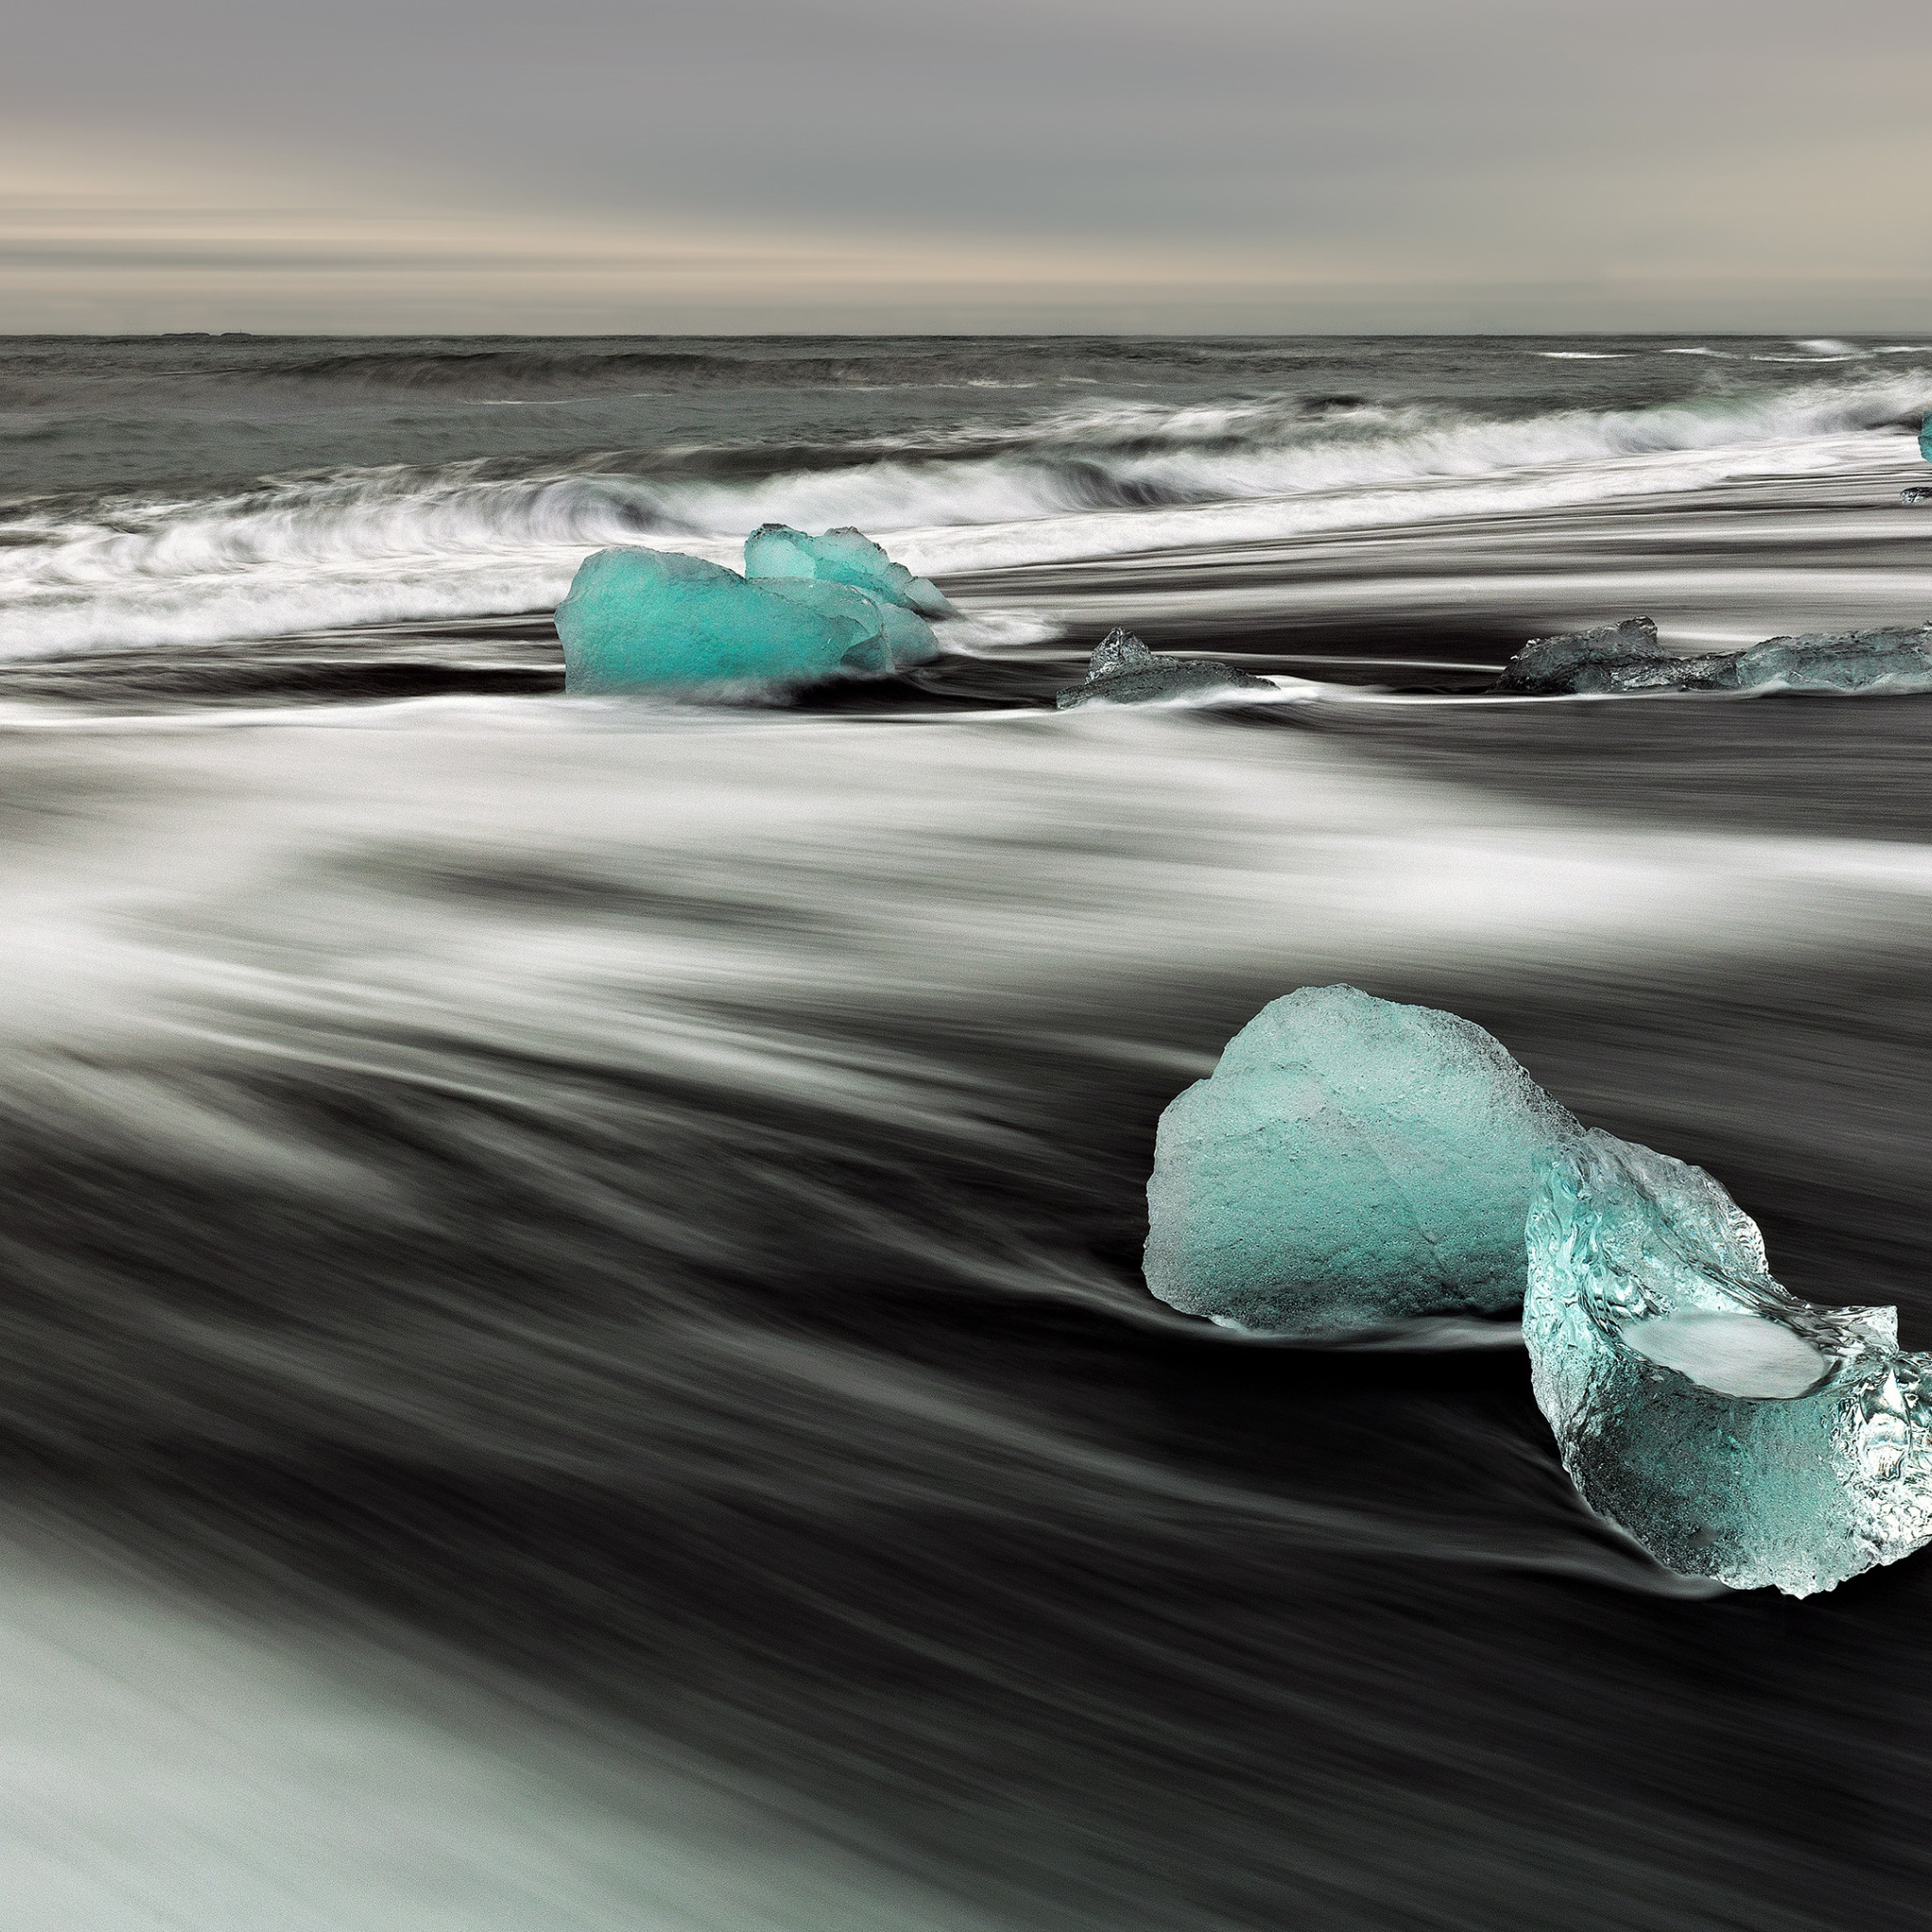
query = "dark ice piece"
{"x": 1915, "y": 495}
{"x": 1119, "y": 652}
{"x": 1124, "y": 672}
{"x": 1613, "y": 656}
{"x": 1895, "y": 661}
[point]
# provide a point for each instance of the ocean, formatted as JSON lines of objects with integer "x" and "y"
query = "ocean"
{"x": 574, "y": 1350}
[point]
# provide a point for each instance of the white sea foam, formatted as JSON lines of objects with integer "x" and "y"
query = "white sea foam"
{"x": 1116, "y": 475}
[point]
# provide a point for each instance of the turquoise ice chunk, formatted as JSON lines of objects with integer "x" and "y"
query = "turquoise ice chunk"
{"x": 841, "y": 556}
{"x": 1351, "y": 1162}
{"x": 640, "y": 620}
{"x": 1733, "y": 1430}
{"x": 1925, "y": 439}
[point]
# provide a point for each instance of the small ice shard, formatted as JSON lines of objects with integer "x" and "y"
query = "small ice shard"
{"x": 1915, "y": 495}
{"x": 1123, "y": 671}
{"x": 841, "y": 556}
{"x": 1351, "y": 1162}
{"x": 640, "y": 620}
{"x": 1626, "y": 657}
{"x": 1613, "y": 657}
{"x": 1731, "y": 1429}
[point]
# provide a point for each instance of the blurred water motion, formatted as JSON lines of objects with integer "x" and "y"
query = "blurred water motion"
{"x": 574, "y": 1352}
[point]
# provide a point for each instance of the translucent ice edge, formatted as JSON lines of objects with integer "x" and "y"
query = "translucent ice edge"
{"x": 1730, "y": 1428}
{"x": 1409, "y": 1333}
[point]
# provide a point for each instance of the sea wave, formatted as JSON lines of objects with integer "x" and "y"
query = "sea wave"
{"x": 1106, "y": 476}
{"x": 420, "y": 366}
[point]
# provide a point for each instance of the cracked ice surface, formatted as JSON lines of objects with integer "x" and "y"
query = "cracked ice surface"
{"x": 1733, "y": 1430}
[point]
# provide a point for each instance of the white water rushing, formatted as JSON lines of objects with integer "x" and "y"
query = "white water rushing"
{"x": 386, "y": 544}
{"x": 399, "y": 881}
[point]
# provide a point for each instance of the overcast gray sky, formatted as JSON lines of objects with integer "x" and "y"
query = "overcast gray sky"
{"x": 744, "y": 164}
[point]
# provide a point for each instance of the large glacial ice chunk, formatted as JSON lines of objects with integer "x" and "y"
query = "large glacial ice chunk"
{"x": 1733, "y": 1430}
{"x": 1895, "y": 661}
{"x": 841, "y": 556}
{"x": 1123, "y": 671}
{"x": 1351, "y": 1162}
{"x": 637, "y": 620}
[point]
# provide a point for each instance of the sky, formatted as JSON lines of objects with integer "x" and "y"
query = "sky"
{"x": 1241, "y": 166}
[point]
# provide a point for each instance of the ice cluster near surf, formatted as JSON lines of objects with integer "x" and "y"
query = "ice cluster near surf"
{"x": 806, "y": 609}
{"x": 1352, "y": 1161}
{"x": 1621, "y": 658}
{"x": 1123, "y": 671}
{"x": 1733, "y": 1430}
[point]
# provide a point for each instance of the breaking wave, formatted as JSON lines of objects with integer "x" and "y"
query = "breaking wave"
{"x": 1107, "y": 476}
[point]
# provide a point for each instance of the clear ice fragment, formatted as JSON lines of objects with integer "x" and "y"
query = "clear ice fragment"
{"x": 1351, "y": 1162}
{"x": 1916, "y": 495}
{"x": 1733, "y": 1430}
{"x": 1123, "y": 671}
{"x": 1896, "y": 661}
{"x": 841, "y": 556}
{"x": 639, "y": 620}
